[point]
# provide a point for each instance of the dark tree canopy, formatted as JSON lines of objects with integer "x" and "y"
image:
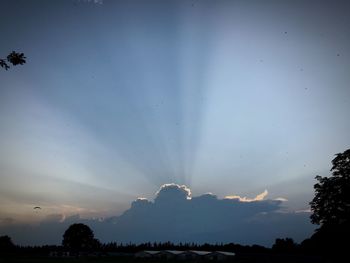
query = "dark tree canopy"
{"x": 6, "y": 243}
{"x": 79, "y": 237}
{"x": 14, "y": 58}
{"x": 286, "y": 245}
{"x": 331, "y": 204}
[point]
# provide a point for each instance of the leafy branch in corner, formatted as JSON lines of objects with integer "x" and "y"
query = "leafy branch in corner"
{"x": 14, "y": 58}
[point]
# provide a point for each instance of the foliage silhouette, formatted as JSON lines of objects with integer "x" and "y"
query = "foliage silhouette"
{"x": 331, "y": 210}
{"x": 79, "y": 237}
{"x": 6, "y": 243}
{"x": 14, "y": 58}
{"x": 284, "y": 245}
{"x": 331, "y": 204}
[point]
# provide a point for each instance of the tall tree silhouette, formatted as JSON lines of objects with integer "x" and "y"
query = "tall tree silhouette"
{"x": 13, "y": 58}
{"x": 331, "y": 204}
{"x": 331, "y": 210}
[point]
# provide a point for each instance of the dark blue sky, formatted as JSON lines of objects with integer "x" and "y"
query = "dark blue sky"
{"x": 120, "y": 97}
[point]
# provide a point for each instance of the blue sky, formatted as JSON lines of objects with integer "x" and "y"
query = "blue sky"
{"x": 120, "y": 97}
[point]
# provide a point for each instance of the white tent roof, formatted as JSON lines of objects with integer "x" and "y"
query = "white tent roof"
{"x": 226, "y": 253}
{"x": 200, "y": 253}
{"x": 151, "y": 252}
{"x": 175, "y": 252}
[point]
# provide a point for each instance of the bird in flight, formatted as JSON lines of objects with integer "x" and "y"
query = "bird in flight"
{"x": 37, "y": 207}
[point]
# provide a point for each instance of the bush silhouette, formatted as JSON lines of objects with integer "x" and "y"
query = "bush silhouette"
{"x": 286, "y": 245}
{"x": 6, "y": 244}
{"x": 79, "y": 237}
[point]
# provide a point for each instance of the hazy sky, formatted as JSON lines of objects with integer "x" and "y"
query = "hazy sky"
{"x": 120, "y": 97}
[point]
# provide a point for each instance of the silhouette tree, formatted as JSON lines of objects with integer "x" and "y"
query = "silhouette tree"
{"x": 331, "y": 210}
{"x": 6, "y": 244}
{"x": 331, "y": 204}
{"x": 286, "y": 245}
{"x": 79, "y": 237}
{"x": 14, "y": 58}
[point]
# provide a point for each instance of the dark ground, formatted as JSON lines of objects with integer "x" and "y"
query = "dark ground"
{"x": 109, "y": 259}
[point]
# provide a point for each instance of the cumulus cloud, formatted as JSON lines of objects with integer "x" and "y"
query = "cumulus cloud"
{"x": 175, "y": 215}
{"x": 178, "y": 216}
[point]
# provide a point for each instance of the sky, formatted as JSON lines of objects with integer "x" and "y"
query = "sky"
{"x": 246, "y": 100}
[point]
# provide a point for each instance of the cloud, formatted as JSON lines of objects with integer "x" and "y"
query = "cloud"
{"x": 100, "y": 2}
{"x": 6, "y": 221}
{"x": 259, "y": 197}
{"x": 55, "y": 218}
{"x": 175, "y": 215}
{"x": 281, "y": 199}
